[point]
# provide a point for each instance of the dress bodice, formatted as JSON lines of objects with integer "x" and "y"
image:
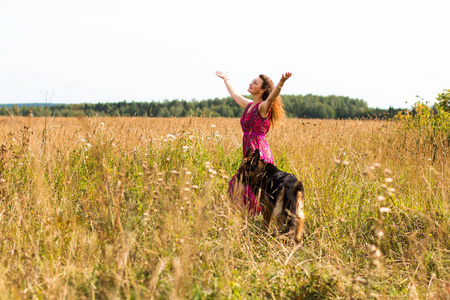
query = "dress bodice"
{"x": 252, "y": 122}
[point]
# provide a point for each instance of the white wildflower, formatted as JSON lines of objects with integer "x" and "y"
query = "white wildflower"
{"x": 379, "y": 233}
{"x": 391, "y": 191}
{"x": 385, "y": 209}
{"x": 171, "y": 137}
{"x": 377, "y": 253}
{"x": 381, "y": 198}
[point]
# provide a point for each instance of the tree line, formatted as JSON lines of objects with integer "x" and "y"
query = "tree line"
{"x": 297, "y": 106}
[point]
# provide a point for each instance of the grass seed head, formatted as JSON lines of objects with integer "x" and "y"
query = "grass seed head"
{"x": 360, "y": 280}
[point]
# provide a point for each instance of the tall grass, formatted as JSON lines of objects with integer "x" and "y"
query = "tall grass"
{"x": 138, "y": 208}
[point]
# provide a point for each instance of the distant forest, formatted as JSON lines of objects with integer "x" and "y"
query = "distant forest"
{"x": 297, "y": 106}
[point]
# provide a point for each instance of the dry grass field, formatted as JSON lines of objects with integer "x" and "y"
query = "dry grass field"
{"x": 137, "y": 208}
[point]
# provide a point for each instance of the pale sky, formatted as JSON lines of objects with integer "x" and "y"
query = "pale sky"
{"x": 384, "y": 52}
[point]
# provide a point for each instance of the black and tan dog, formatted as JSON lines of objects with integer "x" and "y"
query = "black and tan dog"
{"x": 280, "y": 194}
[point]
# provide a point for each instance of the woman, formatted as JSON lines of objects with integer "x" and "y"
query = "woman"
{"x": 265, "y": 109}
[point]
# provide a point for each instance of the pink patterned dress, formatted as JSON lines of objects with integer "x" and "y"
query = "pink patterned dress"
{"x": 255, "y": 128}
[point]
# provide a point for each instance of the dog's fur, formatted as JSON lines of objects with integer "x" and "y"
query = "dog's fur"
{"x": 280, "y": 194}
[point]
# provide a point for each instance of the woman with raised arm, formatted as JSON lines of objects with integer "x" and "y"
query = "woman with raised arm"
{"x": 266, "y": 109}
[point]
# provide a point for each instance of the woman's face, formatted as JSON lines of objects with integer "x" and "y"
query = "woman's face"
{"x": 255, "y": 86}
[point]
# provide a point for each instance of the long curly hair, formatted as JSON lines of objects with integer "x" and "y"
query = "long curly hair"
{"x": 278, "y": 112}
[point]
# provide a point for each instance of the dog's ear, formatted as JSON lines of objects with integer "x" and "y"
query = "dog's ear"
{"x": 256, "y": 155}
{"x": 249, "y": 153}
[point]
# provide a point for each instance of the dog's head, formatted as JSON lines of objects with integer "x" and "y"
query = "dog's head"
{"x": 251, "y": 167}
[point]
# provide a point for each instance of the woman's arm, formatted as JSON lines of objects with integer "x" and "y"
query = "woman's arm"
{"x": 240, "y": 100}
{"x": 264, "y": 108}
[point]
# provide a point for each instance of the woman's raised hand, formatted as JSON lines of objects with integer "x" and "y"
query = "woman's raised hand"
{"x": 285, "y": 76}
{"x": 222, "y": 75}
